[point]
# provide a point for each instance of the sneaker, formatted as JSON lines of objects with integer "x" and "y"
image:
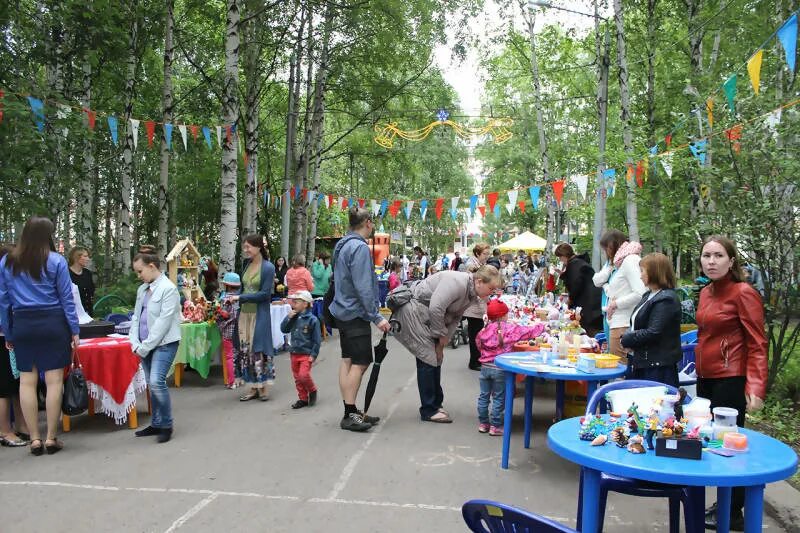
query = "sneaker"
{"x": 483, "y": 428}
{"x": 495, "y": 431}
{"x": 299, "y": 404}
{"x": 312, "y": 398}
{"x": 354, "y": 422}
{"x": 164, "y": 435}
{"x": 373, "y": 420}
{"x": 149, "y": 431}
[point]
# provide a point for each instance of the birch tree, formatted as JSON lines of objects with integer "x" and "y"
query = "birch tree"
{"x": 166, "y": 102}
{"x": 87, "y": 202}
{"x": 127, "y": 153}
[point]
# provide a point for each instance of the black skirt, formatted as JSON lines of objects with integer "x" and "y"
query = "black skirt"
{"x": 42, "y": 338}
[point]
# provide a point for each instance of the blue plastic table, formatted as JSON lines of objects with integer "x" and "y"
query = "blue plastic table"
{"x": 767, "y": 461}
{"x": 510, "y": 363}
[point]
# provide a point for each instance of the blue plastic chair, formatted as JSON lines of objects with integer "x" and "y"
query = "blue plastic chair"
{"x": 688, "y": 354}
{"x": 691, "y": 497}
{"x": 689, "y": 337}
{"x": 486, "y": 516}
{"x": 117, "y": 318}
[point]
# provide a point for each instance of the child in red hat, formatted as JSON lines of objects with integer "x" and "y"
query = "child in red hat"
{"x": 498, "y": 337}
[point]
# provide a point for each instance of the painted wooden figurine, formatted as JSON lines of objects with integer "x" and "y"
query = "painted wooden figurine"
{"x": 652, "y": 428}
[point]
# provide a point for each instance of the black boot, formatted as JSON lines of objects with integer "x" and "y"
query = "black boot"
{"x": 737, "y": 519}
{"x": 165, "y": 435}
{"x": 149, "y": 431}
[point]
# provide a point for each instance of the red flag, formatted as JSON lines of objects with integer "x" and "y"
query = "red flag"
{"x": 558, "y": 190}
{"x": 291, "y": 192}
{"x": 668, "y": 140}
{"x": 640, "y": 169}
{"x": 491, "y": 199}
{"x": 92, "y": 116}
{"x": 194, "y": 129}
{"x": 330, "y": 200}
{"x": 394, "y": 208}
{"x": 521, "y": 205}
{"x": 482, "y": 209}
{"x": 361, "y": 203}
{"x": 1, "y": 105}
{"x": 734, "y": 134}
{"x": 150, "y": 126}
{"x": 439, "y": 208}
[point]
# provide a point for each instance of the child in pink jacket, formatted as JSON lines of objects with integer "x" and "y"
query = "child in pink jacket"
{"x": 498, "y": 337}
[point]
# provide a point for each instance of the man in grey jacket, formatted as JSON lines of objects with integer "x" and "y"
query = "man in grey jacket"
{"x": 355, "y": 307}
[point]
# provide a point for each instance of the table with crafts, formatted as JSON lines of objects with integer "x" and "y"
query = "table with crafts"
{"x": 200, "y": 344}
{"x": 114, "y": 376}
{"x": 525, "y": 363}
{"x": 767, "y": 460}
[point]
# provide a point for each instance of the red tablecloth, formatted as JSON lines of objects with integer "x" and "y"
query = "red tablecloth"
{"x": 109, "y": 363}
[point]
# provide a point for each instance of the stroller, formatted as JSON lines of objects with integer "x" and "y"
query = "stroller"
{"x": 460, "y": 336}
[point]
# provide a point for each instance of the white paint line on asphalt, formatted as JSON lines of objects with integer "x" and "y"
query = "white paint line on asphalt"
{"x": 199, "y": 506}
{"x": 58, "y": 484}
{"x": 386, "y": 504}
{"x": 351, "y": 465}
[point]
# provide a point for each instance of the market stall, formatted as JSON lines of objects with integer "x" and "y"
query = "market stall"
{"x": 526, "y": 241}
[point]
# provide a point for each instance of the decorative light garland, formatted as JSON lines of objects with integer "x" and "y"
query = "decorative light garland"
{"x": 497, "y": 128}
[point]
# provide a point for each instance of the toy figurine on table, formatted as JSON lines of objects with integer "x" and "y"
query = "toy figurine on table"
{"x": 635, "y": 423}
{"x": 679, "y": 404}
{"x": 619, "y": 437}
{"x": 635, "y": 444}
{"x": 652, "y": 428}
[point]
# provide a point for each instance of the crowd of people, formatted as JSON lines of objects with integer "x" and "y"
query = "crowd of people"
{"x": 632, "y": 299}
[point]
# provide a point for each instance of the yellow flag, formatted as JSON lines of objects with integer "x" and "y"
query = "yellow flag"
{"x": 754, "y": 69}
{"x": 710, "y": 111}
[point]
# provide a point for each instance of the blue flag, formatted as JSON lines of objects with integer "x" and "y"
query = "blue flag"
{"x": 454, "y": 214}
{"x": 788, "y": 37}
{"x": 207, "y": 135}
{"x": 168, "y": 135}
{"x": 534, "y": 192}
{"x": 37, "y": 108}
{"x": 473, "y": 204}
{"x": 384, "y": 207}
{"x": 112, "y": 125}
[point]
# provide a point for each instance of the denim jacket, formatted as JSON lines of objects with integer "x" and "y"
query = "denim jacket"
{"x": 305, "y": 331}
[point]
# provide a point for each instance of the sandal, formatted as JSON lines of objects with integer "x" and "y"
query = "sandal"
{"x": 37, "y": 450}
{"x": 24, "y": 436}
{"x": 439, "y": 418}
{"x": 249, "y": 396}
{"x": 16, "y": 443}
{"x": 55, "y": 447}
{"x": 262, "y": 395}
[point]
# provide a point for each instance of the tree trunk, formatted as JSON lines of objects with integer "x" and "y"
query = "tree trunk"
{"x": 551, "y": 222}
{"x": 696, "y": 34}
{"x": 318, "y": 129}
{"x": 603, "y": 65}
{"x": 166, "y": 101}
{"x": 108, "y": 262}
{"x": 655, "y": 189}
{"x": 230, "y": 111}
{"x": 303, "y": 165}
{"x": 627, "y": 135}
{"x": 252, "y": 53}
{"x": 127, "y": 153}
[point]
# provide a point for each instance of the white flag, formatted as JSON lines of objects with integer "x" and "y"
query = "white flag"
{"x": 219, "y": 136}
{"x": 182, "y": 129}
{"x": 666, "y": 162}
{"x": 581, "y": 182}
{"x": 374, "y": 207}
{"x": 510, "y": 208}
{"x": 773, "y": 119}
{"x": 135, "y": 132}
{"x": 454, "y": 202}
{"x": 512, "y": 197}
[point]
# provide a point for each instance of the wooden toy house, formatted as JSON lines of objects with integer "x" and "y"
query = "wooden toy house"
{"x": 183, "y": 267}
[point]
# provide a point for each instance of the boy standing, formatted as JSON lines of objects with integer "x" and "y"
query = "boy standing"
{"x": 304, "y": 346}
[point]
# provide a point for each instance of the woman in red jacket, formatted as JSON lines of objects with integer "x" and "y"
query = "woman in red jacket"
{"x": 731, "y": 345}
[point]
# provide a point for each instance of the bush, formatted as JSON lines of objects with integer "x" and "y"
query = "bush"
{"x": 124, "y": 289}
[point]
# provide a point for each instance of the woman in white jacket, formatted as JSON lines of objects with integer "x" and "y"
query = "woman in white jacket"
{"x": 621, "y": 282}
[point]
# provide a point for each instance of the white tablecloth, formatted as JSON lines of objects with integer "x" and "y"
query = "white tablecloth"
{"x": 104, "y": 402}
{"x": 277, "y": 314}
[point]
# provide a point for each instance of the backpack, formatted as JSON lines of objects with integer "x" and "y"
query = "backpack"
{"x": 327, "y": 300}
{"x": 400, "y": 296}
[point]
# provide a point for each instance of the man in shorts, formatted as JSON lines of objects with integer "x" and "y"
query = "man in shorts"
{"x": 355, "y": 307}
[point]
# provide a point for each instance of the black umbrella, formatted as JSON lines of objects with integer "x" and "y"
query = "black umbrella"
{"x": 380, "y": 351}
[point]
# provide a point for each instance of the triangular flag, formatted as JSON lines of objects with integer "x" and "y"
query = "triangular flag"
{"x": 534, "y": 192}
{"x": 182, "y": 129}
{"x": 409, "y": 207}
{"x": 112, "y": 126}
{"x": 754, "y": 69}
{"x": 394, "y": 208}
{"x": 640, "y": 171}
{"x": 666, "y": 162}
{"x": 473, "y": 202}
{"x": 342, "y": 203}
{"x": 512, "y": 196}
{"x": 384, "y": 207}
{"x": 37, "y": 108}
{"x": 168, "y": 135}
{"x": 91, "y": 117}
{"x": 734, "y": 134}
{"x": 730, "y": 91}
{"x": 194, "y": 129}
{"x": 521, "y": 205}
{"x": 558, "y": 190}
{"x": 321, "y": 198}
{"x": 375, "y": 207}
{"x": 439, "y": 208}
{"x": 207, "y": 136}
{"x": 482, "y": 209}
{"x": 350, "y": 202}
{"x": 310, "y": 196}
{"x": 219, "y": 136}
{"x": 668, "y": 140}
{"x": 361, "y": 203}
{"x": 491, "y": 200}
{"x": 150, "y": 128}
{"x": 628, "y": 172}
{"x": 581, "y": 182}
{"x": 773, "y": 119}
{"x": 293, "y": 192}
{"x": 454, "y": 202}
{"x": 423, "y": 208}
{"x": 496, "y": 211}
{"x": 710, "y": 112}
{"x": 135, "y": 132}
{"x": 510, "y": 208}
{"x": 788, "y": 37}
{"x": 454, "y": 213}
{"x": 698, "y": 150}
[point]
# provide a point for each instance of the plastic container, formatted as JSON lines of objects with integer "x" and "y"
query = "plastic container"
{"x": 736, "y": 442}
{"x": 720, "y": 431}
{"x": 725, "y": 416}
{"x": 606, "y": 360}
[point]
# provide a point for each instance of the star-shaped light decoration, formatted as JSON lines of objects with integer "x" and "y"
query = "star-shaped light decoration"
{"x": 442, "y": 115}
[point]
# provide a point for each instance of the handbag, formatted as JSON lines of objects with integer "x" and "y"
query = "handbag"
{"x": 76, "y": 394}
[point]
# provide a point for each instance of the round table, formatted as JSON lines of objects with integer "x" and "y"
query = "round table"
{"x": 767, "y": 461}
{"x": 200, "y": 343}
{"x": 518, "y": 363}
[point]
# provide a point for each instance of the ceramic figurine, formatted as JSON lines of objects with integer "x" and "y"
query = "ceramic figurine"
{"x": 635, "y": 444}
{"x": 694, "y": 434}
{"x": 679, "y": 404}
{"x": 618, "y": 437}
{"x": 599, "y": 440}
{"x": 668, "y": 428}
{"x": 635, "y": 422}
{"x": 652, "y": 428}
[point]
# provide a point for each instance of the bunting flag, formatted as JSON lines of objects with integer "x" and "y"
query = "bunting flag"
{"x": 521, "y": 205}
{"x": 135, "y": 132}
{"x": 698, "y": 149}
{"x": 168, "y": 135}
{"x": 734, "y": 134}
{"x": 91, "y": 116}
{"x": 454, "y": 213}
{"x": 510, "y": 208}
{"x": 787, "y": 34}
{"x": 491, "y": 200}
{"x": 207, "y": 136}
{"x": 730, "y": 92}
{"x": 710, "y": 111}
{"x": 384, "y": 207}
{"x": 361, "y": 203}
{"x": 628, "y": 172}
{"x": 219, "y": 136}
{"x": 581, "y": 182}
{"x": 534, "y": 193}
{"x": 292, "y": 192}
{"x": 482, "y": 210}
{"x": 454, "y": 202}
{"x": 754, "y": 69}
{"x": 395, "y": 208}
{"x": 182, "y": 129}
{"x": 610, "y": 179}
{"x": 194, "y": 130}
{"x": 310, "y": 196}
{"x": 668, "y": 140}
{"x": 473, "y": 203}
{"x": 439, "y": 208}
{"x": 496, "y": 211}
{"x": 512, "y": 196}
{"x": 150, "y": 128}
{"x": 408, "y": 208}
{"x": 342, "y": 203}
{"x": 666, "y": 162}
{"x": 112, "y": 126}
{"x": 37, "y": 108}
{"x": 641, "y": 171}
{"x": 423, "y": 208}
{"x": 558, "y": 190}
{"x": 773, "y": 119}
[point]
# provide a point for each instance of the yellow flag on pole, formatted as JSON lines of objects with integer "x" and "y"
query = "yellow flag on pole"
{"x": 710, "y": 111}
{"x": 754, "y": 69}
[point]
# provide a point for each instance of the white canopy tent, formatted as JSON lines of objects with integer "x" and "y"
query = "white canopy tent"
{"x": 524, "y": 241}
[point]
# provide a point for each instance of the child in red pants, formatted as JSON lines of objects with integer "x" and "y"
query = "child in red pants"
{"x": 227, "y": 321}
{"x": 304, "y": 346}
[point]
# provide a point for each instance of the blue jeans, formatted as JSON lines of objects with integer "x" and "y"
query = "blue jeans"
{"x": 493, "y": 384}
{"x": 156, "y": 365}
{"x": 429, "y": 382}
